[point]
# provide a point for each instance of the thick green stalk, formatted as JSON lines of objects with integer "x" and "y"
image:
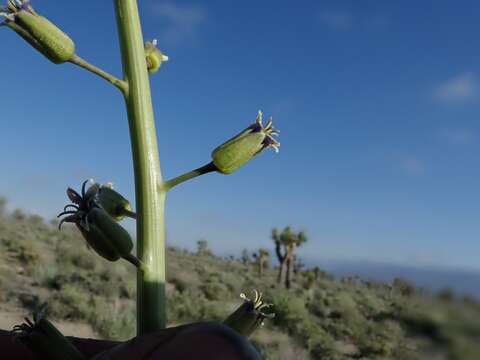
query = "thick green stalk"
{"x": 150, "y": 198}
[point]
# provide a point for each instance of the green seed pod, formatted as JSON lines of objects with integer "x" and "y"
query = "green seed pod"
{"x": 26, "y": 36}
{"x": 100, "y": 230}
{"x": 154, "y": 57}
{"x": 38, "y": 31}
{"x": 243, "y": 147}
{"x": 112, "y": 202}
{"x": 57, "y": 46}
{"x": 106, "y": 236}
{"x": 101, "y": 244}
{"x": 44, "y": 339}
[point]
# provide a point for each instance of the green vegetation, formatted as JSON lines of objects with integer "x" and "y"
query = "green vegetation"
{"x": 317, "y": 318}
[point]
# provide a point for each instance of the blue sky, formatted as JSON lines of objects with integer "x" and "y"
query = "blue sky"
{"x": 377, "y": 103}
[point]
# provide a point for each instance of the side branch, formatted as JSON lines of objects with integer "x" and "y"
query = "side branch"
{"x": 168, "y": 185}
{"x": 120, "y": 84}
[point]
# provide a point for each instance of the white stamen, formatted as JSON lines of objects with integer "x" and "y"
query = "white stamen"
{"x": 269, "y": 123}
{"x": 154, "y": 42}
{"x": 257, "y": 296}
{"x": 109, "y": 185}
{"x": 164, "y": 58}
{"x": 259, "y": 118}
{"x": 8, "y": 16}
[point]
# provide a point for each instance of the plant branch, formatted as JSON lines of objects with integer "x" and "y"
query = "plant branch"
{"x": 130, "y": 214}
{"x": 150, "y": 200}
{"x": 120, "y": 84}
{"x": 168, "y": 185}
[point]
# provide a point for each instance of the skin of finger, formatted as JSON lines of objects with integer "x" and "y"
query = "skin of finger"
{"x": 200, "y": 341}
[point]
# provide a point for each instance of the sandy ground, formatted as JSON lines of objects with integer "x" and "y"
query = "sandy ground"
{"x": 12, "y": 316}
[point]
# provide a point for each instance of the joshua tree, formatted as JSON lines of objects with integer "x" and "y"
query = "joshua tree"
{"x": 202, "y": 247}
{"x": 277, "y": 238}
{"x": 286, "y": 244}
{"x": 245, "y": 258}
{"x": 262, "y": 260}
{"x": 298, "y": 264}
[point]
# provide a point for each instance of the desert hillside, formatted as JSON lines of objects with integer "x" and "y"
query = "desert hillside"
{"x": 317, "y": 318}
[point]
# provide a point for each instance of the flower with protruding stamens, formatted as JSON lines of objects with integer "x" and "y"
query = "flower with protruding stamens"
{"x": 250, "y": 315}
{"x": 243, "y": 147}
{"x": 38, "y": 31}
{"x": 154, "y": 56}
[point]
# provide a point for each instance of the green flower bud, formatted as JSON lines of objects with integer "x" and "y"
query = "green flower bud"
{"x": 42, "y": 34}
{"x": 249, "y": 316}
{"x": 243, "y": 147}
{"x": 154, "y": 57}
{"x": 112, "y": 202}
{"x": 44, "y": 339}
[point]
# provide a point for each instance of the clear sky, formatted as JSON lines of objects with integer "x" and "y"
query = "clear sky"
{"x": 377, "y": 103}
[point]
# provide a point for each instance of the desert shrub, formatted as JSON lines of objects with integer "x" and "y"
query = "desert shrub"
{"x": 289, "y": 311}
{"x": 70, "y": 303}
{"x": 18, "y": 215}
{"x": 403, "y": 287}
{"x": 182, "y": 307}
{"x": 214, "y": 290}
{"x": 46, "y": 276}
{"x": 113, "y": 320}
{"x": 29, "y": 301}
{"x": 127, "y": 289}
{"x": 274, "y": 345}
{"x": 446, "y": 295}
{"x": 179, "y": 282}
{"x": 379, "y": 339}
{"x": 25, "y": 251}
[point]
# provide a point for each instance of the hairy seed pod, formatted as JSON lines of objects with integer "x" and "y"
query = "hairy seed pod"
{"x": 55, "y": 44}
{"x": 112, "y": 202}
{"x": 243, "y": 147}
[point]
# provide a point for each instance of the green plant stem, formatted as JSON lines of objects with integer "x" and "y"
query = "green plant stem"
{"x": 130, "y": 214}
{"x": 150, "y": 199}
{"x": 120, "y": 84}
{"x": 168, "y": 185}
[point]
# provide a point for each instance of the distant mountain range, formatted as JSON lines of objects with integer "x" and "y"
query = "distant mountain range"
{"x": 462, "y": 282}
